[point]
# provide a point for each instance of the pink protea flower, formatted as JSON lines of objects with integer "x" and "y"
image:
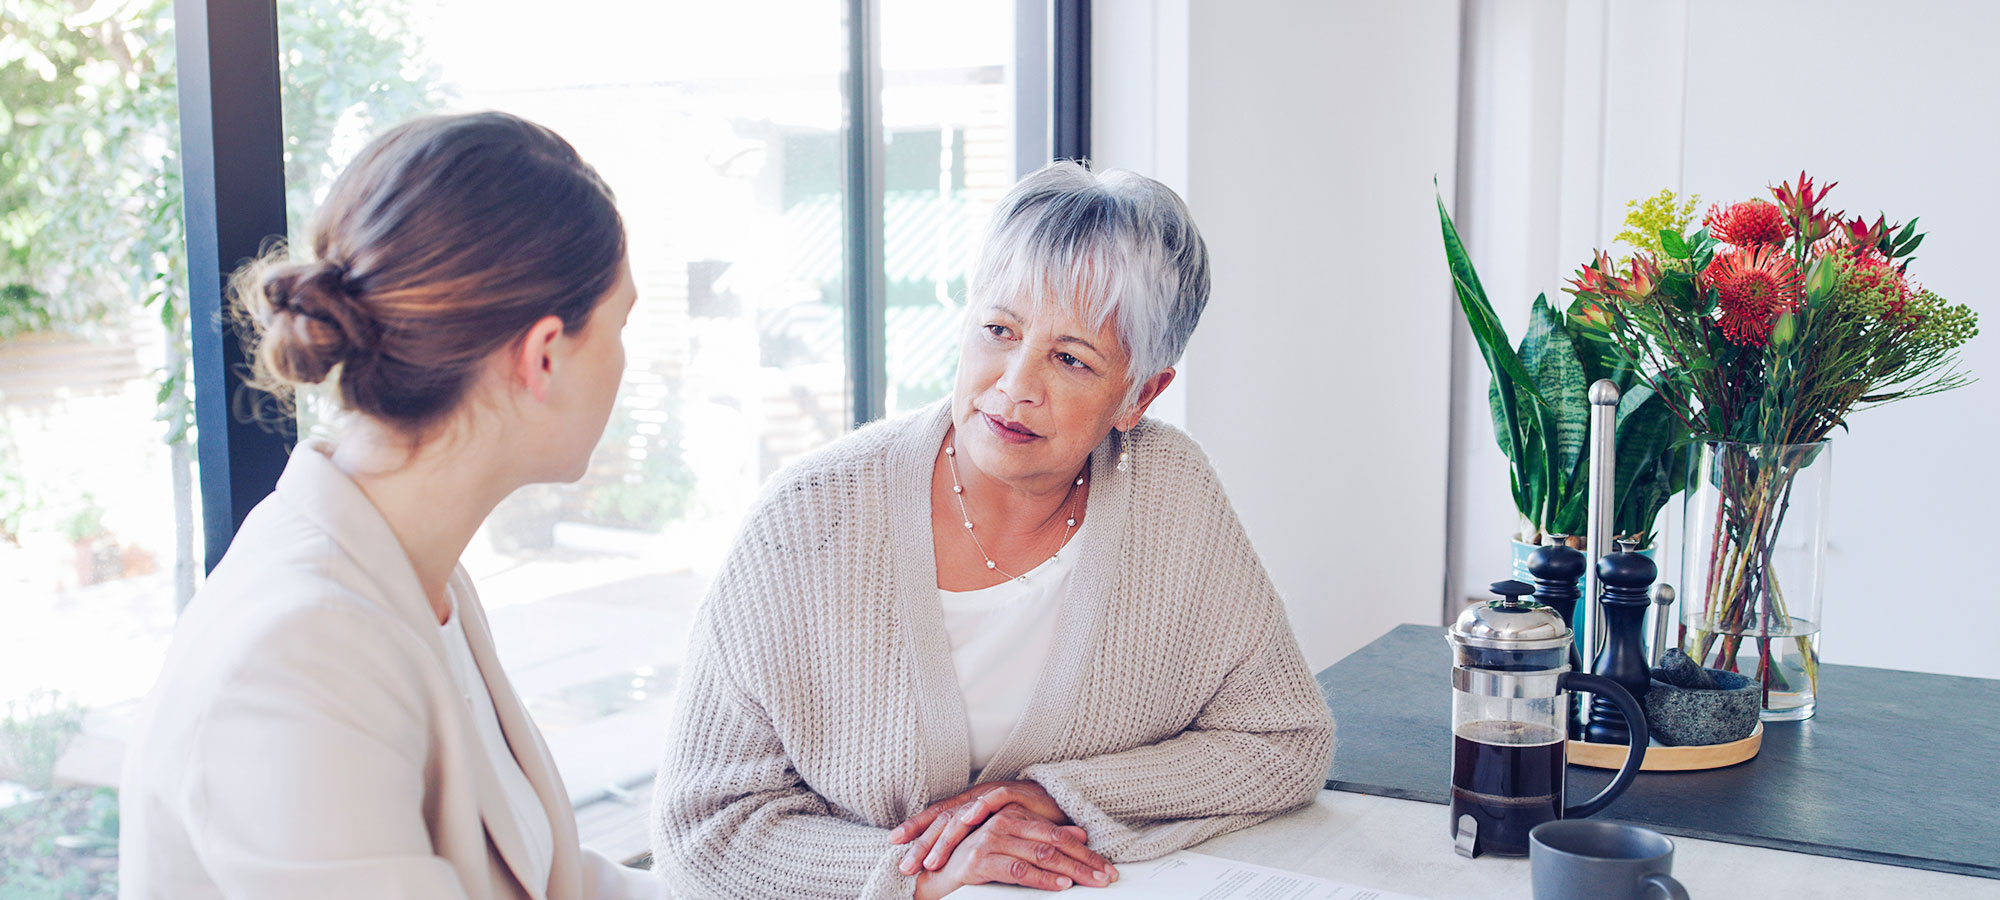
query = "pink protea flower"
{"x": 1596, "y": 278}
{"x": 1754, "y": 286}
{"x": 1859, "y": 233}
{"x": 1800, "y": 204}
{"x": 1644, "y": 276}
{"x": 1752, "y": 223}
{"x": 1599, "y": 279}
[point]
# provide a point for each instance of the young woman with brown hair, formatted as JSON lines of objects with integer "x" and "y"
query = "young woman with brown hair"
{"x": 332, "y": 720}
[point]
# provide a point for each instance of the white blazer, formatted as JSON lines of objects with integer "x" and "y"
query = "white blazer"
{"x": 306, "y": 738}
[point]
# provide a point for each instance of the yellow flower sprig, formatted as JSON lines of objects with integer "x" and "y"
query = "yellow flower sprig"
{"x": 1645, "y": 219}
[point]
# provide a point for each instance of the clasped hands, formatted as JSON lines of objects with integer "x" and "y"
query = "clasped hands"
{"x": 1006, "y": 831}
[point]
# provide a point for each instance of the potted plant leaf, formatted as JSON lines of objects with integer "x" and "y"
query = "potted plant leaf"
{"x": 1541, "y": 418}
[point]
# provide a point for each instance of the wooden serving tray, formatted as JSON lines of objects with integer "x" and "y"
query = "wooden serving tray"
{"x": 1669, "y": 759}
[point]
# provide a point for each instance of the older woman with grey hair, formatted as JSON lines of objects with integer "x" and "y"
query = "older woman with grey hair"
{"x": 1019, "y": 636}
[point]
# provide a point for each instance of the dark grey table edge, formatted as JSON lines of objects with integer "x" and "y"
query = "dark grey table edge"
{"x": 1404, "y": 789}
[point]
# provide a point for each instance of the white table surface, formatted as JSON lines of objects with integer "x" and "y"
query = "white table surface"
{"x": 1405, "y": 846}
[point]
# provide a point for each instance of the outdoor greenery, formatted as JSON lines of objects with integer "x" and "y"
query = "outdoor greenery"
{"x": 62, "y": 845}
{"x": 654, "y": 484}
{"x": 33, "y": 735}
{"x": 15, "y": 504}
{"x": 90, "y": 181}
{"x": 54, "y": 844}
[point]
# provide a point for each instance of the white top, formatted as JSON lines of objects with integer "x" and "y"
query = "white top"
{"x": 521, "y": 797}
{"x": 1000, "y": 637}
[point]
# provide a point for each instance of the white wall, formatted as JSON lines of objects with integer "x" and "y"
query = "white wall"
{"x": 1319, "y": 379}
{"x": 1701, "y": 95}
{"x": 1139, "y": 113}
{"x": 1508, "y": 211}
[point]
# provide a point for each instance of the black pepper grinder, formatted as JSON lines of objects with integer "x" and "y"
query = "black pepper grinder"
{"x": 1626, "y": 576}
{"x": 1556, "y": 568}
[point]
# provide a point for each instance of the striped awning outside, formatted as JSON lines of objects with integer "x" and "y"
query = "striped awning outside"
{"x": 923, "y": 340}
{"x": 923, "y": 343}
{"x": 925, "y": 238}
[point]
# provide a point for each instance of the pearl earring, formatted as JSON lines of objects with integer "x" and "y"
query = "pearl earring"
{"x": 1124, "y": 459}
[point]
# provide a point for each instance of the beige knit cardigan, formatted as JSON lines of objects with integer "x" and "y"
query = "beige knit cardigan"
{"x": 819, "y": 707}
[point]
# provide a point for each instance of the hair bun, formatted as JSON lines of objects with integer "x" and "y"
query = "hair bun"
{"x": 314, "y": 321}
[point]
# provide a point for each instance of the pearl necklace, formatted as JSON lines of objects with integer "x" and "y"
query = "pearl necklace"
{"x": 958, "y": 491}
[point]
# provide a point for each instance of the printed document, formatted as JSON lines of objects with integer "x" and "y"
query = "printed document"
{"x": 1195, "y": 876}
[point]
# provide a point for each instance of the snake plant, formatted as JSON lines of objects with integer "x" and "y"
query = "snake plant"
{"x": 1541, "y": 414}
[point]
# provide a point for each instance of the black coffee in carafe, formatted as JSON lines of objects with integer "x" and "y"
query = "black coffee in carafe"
{"x": 1510, "y": 702}
{"x": 1508, "y": 776}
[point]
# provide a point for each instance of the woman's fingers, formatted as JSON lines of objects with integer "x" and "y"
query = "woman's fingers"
{"x": 1013, "y": 845}
{"x": 991, "y": 866}
{"x": 913, "y": 859}
{"x": 1028, "y": 794}
{"x": 1069, "y": 840}
{"x": 922, "y": 820}
{"x": 917, "y": 823}
{"x": 1051, "y": 857}
{"x": 949, "y": 823}
{"x": 957, "y": 825}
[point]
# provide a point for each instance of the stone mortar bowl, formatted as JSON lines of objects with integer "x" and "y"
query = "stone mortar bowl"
{"x": 1688, "y": 717}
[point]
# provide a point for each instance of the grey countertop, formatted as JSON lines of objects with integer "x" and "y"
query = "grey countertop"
{"x": 1897, "y": 768}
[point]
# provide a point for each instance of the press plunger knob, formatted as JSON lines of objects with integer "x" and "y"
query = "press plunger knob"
{"x": 1512, "y": 591}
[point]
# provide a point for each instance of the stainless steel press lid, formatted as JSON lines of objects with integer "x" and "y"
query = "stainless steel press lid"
{"x": 1513, "y": 623}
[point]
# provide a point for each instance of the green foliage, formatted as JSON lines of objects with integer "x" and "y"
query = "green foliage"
{"x": 1512, "y": 384}
{"x": 34, "y": 734}
{"x": 86, "y": 521}
{"x": 15, "y": 500}
{"x": 59, "y": 846}
{"x": 658, "y": 485}
{"x": 350, "y": 70}
{"x": 1645, "y": 219}
{"x": 1539, "y": 400}
{"x": 89, "y": 157}
{"x": 1652, "y": 457}
{"x": 90, "y": 175}
{"x": 21, "y": 311}
{"x": 25, "y": 880}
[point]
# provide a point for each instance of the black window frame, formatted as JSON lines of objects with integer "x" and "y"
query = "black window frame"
{"x": 232, "y": 142}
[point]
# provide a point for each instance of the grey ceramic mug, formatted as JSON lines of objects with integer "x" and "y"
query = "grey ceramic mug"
{"x": 1578, "y": 859}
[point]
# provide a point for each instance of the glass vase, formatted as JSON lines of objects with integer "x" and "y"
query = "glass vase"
{"x": 1752, "y": 567}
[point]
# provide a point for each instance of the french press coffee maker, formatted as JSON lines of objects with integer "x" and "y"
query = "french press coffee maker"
{"x": 1510, "y": 683}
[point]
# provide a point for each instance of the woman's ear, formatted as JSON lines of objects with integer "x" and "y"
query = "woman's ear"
{"x": 534, "y": 359}
{"x": 1148, "y": 392}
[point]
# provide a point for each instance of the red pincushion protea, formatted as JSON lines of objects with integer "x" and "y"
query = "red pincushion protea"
{"x": 1752, "y": 223}
{"x": 1754, "y": 287}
